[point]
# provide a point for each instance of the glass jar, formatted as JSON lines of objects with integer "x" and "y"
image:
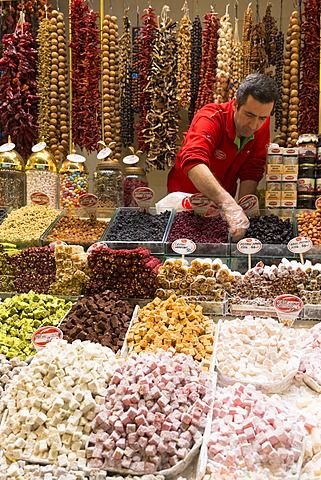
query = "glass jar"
{"x": 306, "y": 201}
{"x": 308, "y": 148}
{"x": 108, "y": 184}
{"x": 73, "y": 177}
{"x": 12, "y": 177}
{"x": 318, "y": 181}
{"x": 42, "y": 176}
{"x": 306, "y": 179}
{"x": 134, "y": 177}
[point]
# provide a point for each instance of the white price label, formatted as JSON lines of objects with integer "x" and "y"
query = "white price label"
{"x": 300, "y": 245}
{"x": 104, "y": 153}
{"x": 200, "y": 203}
{"x": 38, "y": 147}
{"x": 143, "y": 196}
{"x": 183, "y": 246}
{"x": 74, "y": 157}
{"x": 250, "y": 204}
{"x": 44, "y": 335}
{"x": 249, "y": 246}
{"x": 7, "y": 147}
{"x": 318, "y": 203}
{"x": 97, "y": 246}
{"x": 288, "y": 308}
{"x": 130, "y": 159}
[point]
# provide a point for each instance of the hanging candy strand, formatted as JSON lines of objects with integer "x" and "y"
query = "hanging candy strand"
{"x": 184, "y": 45}
{"x": 224, "y": 56}
{"x": 246, "y": 40}
{"x": 196, "y": 60}
{"x": 126, "y": 113}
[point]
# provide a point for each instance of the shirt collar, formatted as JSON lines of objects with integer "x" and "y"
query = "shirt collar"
{"x": 230, "y": 128}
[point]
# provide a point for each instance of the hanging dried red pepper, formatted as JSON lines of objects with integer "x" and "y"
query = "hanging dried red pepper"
{"x": 18, "y": 88}
{"x": 86, "y": 101}
{"x": 310, "y": 64}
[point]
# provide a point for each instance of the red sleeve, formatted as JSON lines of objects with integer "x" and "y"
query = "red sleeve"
{"x": 253, "y": 169}
{"x": 201, "y": 141}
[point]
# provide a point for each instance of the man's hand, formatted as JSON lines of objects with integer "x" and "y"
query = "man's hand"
{"x": 236, "y": 219}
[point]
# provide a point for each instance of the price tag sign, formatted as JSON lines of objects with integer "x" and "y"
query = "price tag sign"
{"x": 38, "y": 147}
{"x": 183, "y": 246}
{"x": 130, "y": 159}
{"x": 97, "y": 246}
{"x": 200, "y": 203}
{"x": 7, "y": 147}
{"x": 144, "y": 196}
{"x": 41, "y": 337}
{"x": 57, "y": 243}
{"x": 74, "y": 157}
{"x": 250, "y": 204}
{"x": 89, "y": 202}
{"x": 318, "y": 203}
{"x": 186, "y": 203}
{"x": 249, "y": 246}
{"x": 300, "y": 245}
{"x": 288, "y": 308}
{"x": 104, "y": 153}
{"x": 40, "y": 198}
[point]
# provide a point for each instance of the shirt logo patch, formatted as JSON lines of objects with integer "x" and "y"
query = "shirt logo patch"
{"x": 219, "y": 154}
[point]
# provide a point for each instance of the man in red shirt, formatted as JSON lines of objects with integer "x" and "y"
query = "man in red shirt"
{"x": 225, "y": 143}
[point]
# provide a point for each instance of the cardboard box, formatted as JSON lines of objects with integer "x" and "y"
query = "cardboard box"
{"x": 289, "y": 199}
{"x": 290, "y": 169}
{"x": 272, "y": 199}
{"x": 273, "y": 169}
{"x": 289, "y": 186}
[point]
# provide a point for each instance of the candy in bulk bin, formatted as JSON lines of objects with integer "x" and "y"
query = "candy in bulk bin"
{"x": 42, "y": 174}
{"x": 73, "y": 180}
{"x": 12, "y": 176}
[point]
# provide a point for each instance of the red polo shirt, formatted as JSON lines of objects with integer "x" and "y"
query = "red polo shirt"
{"x": 211, "y": 139}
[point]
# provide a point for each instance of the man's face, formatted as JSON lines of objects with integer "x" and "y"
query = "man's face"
{"x": 249, "y": 117}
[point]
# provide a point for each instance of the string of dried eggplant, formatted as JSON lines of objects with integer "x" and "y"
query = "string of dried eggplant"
{"x": 162, "y": 121}
{"x": 184, "y": 47}
{"x": 44, "y": 78}
{"x": 147, "y": 38}
{"x": 196, "y": 60}
{"x": 246, "y": 40}
{"x": 110, "y": 83}
{"x": 209, "y": 59}
{"x": 309, "y": 85}
{"x": 271, "y": 34}
{"x": 224, "y": 55}
{"x": 126, "y": 113}
{"x": 290, "y": 84}
{"x": 58, "y": 87}
{"x": 236, "y": 62}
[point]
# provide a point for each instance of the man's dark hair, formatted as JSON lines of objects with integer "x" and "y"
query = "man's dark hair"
{"x": 261, "y": 87}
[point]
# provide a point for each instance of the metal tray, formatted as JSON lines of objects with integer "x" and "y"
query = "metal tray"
{"x": 157, "y": 246}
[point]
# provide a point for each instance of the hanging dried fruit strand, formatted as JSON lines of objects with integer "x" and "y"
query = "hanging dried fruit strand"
{"x": 126, "y": 113}
{"x": 110, "y": 83}
{"x": 162, "y": 121}
{"x": 236, "y": 62}
{"x": 18, "y": 88}
{"x": 309, "y": 85}
{"x": 184, "y": 46}
{"x": 43, "y": 78}
{"x": 246, "y": 40}
{"x": 209, "y": 60}
{"x": 148, "y": 32}
{"x": 196, "y": 60}
{"x": 259, "y": 59}
{"x": 86, "y": 100}
{"x": 135, "y": 91}
{"x": 271, "y": 33}
{"x": 224, "y": 56}
{"x": 279, "y": 62}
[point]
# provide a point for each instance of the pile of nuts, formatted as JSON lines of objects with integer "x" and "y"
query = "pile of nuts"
{"x": 154, "y": 413}
{"x": 103, "y": 318}
{"x": 74, "y": 230}
{"x": 26, "y": 225}
{"x": 309, "y": 225}
{"x": 173, "y": 324}
{"x": 202, "y": 277}
{"x": 71, "y": 263}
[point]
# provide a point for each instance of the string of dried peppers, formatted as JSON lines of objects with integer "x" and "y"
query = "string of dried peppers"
{"x": 86, "y": 101}
{"x": 310, "y": 66}
{"x": 209, "y": 59}
{"x": 18, "y": 88}
{"x": 162, "y": 121}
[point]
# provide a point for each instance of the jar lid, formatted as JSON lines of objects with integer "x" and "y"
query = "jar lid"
{"x": 306, "y": 195}
{"x": 135, "y": 171}
{"x": 41, "y": 160}
{"x": 11, "y": 160}
{"x": 70, "y": 165}
{"x": 108, "y": 164}
{"x": 307, "y": 138}
{"x": 306, "y": 165}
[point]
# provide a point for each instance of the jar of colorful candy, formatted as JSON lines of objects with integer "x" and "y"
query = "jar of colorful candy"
{"x": 73, "y": 180}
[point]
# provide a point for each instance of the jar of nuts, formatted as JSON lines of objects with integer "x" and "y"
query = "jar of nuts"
{"x": 12, "y": 177}
{"x": 108, "y": 184}
{"x": 42, "y": 174}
